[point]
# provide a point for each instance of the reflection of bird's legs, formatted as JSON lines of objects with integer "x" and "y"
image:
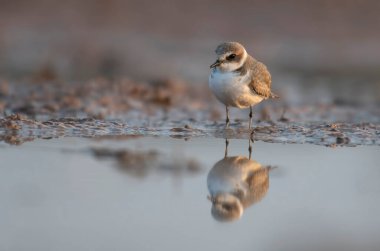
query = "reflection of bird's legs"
{"x": 227, "y": 118}
{"x": 226, "y": 149}
{"x": 250, "y": 148}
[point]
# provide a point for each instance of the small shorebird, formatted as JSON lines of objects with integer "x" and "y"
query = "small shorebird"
{"x": 239, "y": 80}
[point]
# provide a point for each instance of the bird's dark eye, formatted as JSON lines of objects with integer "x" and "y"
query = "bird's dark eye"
{"x": 232, "y": 56}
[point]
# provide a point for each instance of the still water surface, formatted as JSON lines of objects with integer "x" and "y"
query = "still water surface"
{"x": 158, "y": 194}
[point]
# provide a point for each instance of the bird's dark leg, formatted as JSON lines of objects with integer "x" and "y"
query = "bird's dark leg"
{"x": 250, "y": 148}
{"x": 226, "y": 149}
{"x": 227, "y": 118}
{"x": 250, "y": 118}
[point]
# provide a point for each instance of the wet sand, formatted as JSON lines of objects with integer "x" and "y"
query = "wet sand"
{"x": 171, "y": 107}
{"x": 18, "y": 130}
{"x": 79, "y": 194}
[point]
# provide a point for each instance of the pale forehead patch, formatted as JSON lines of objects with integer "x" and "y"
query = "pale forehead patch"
{"x": 229, "y": 47}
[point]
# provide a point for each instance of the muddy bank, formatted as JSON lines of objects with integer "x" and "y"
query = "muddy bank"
{"x": 167, "y": 100}
{"x": 122, "y": 108}
{"x": 17, "y": 130}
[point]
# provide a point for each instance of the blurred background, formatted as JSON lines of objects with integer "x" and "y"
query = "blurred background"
{"x": 317, "y": 51}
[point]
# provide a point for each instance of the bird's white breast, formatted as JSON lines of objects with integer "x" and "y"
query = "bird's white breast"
{"x": 227, "y": 180}
{"x": 230, "y": 174}
{"x": 232, "y": 89}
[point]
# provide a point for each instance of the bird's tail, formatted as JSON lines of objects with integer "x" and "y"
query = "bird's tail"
{"x": 273, "y": 95}
{"x": 270, "y": 168}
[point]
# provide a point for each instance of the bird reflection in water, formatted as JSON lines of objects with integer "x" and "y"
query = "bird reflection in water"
{"x": 235, "y": 183}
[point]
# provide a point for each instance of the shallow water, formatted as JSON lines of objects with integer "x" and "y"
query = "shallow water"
{"x": 151, "y": 194}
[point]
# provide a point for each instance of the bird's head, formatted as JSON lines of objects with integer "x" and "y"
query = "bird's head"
{"x": 230, "y": 56}
{"x": 226, "y": 207}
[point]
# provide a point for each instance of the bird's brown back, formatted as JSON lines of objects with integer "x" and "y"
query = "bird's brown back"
{"x": 260, "y": 77}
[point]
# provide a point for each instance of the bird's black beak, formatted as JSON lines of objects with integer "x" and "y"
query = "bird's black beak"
{"x": 217, "y": 63}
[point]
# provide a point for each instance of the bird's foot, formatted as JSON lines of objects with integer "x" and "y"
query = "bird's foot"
{"x": 251, "y": 133}
{"x": 227, "y": 124}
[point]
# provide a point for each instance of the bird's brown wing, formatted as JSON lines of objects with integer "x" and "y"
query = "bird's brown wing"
{"x": 259, "y": 178}
{"x": 261, "y": 80}
{"x": 258, "y": 183}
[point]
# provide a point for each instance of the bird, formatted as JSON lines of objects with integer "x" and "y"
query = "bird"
{"x": 239, "y": 80}
{"x": 236, "y": 183}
